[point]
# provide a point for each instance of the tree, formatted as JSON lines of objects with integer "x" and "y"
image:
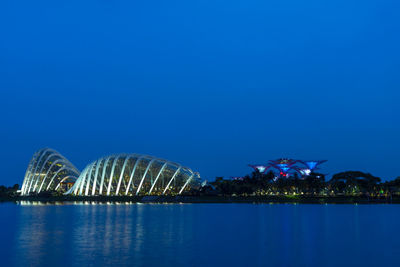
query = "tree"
{"x": 356, "y": 181}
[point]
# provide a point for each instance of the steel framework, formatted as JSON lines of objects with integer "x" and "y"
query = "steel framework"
{"x": 134, "y": 174}
{"x": 47, "y": 171}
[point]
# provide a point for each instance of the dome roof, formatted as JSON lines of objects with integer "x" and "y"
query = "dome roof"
{"x": 47, "y": 171}
{"x": 134, "y": 174}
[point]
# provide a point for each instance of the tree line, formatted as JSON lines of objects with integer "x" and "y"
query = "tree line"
{"x": 348, "y": 183}
{"x": 6, "y": 192}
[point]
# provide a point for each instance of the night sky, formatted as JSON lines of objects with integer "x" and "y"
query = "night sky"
{"x": 211, "y": 84}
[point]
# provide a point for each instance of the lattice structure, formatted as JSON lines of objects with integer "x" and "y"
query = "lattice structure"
{"x": 134, "y": 174}
{"x": 123, "y": 174}
{"x": 48, "y": 171}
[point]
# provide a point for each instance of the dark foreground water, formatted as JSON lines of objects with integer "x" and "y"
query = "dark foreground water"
{"x": 200, "y": 235}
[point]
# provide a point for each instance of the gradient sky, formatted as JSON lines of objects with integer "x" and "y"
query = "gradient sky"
{"x": 211, "y": 84}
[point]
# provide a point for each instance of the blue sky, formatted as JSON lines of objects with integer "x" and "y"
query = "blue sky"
{"x": 214, "y": 85}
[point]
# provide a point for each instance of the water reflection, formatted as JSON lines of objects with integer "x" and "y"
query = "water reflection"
{"x": 200, "y": 235}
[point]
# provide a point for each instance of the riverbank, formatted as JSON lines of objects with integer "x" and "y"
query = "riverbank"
{"x": 207, "y": 199}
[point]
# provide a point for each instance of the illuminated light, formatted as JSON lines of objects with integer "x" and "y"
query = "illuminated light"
{"x": 305, "y": 172}
{"x": 260, "y": 168}
{"x": 283, "y": 165}
{"x": 313, "y": 164}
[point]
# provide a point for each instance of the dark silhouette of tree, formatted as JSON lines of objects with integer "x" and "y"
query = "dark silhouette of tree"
{"x": 348, "y": 183}
{"x": 356, "y": 182}
{"x": 8, "y": 191}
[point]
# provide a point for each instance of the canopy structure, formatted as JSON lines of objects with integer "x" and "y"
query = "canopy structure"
{"x": 260, "y": 168}
{"x": 312, "y": 164}
{"x": 287, "y": 167}
{"x": 283, "y": 165}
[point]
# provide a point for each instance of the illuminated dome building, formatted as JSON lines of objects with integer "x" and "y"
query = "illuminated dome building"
{"x": 134, "y": 174}
{"x": 124, "y": 174}
{"x": 48, "y": 171}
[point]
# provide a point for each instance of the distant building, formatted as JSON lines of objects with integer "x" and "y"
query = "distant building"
{"x": 287, "y": 167}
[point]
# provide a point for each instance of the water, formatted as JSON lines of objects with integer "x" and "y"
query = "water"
{"x": 199, "y": 235}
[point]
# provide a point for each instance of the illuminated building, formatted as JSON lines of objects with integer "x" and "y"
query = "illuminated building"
{"x": 48, "y": 171}
{"x": 124, "y": 174}
{"x": 134, "y": 174}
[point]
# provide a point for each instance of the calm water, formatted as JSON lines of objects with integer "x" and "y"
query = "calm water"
{"x": 200, "y": 235}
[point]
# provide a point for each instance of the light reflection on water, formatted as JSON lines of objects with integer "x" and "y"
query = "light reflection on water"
{"x": 67, "y": 234}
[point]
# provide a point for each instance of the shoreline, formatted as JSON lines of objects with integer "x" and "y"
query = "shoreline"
{"x": 208, "y": 199}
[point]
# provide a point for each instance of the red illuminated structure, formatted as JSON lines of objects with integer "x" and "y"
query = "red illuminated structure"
{"x": 283, "y": 165}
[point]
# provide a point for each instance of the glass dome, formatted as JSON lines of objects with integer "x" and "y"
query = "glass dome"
{"x": 48, "y": 171}
{"x": 134, "y": 174}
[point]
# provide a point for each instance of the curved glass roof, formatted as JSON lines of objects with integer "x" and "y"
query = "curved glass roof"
{"x": 134, "y": 174}
{"x": 48, "y": 171}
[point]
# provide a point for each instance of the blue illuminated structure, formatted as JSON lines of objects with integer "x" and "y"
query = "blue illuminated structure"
{"x": 312, "y": 164}
{"x": 286, "y": 167}
{"x": 260, "y": 168}
{"x": 283, "y": 165}
{"x": 304, "y": 172}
